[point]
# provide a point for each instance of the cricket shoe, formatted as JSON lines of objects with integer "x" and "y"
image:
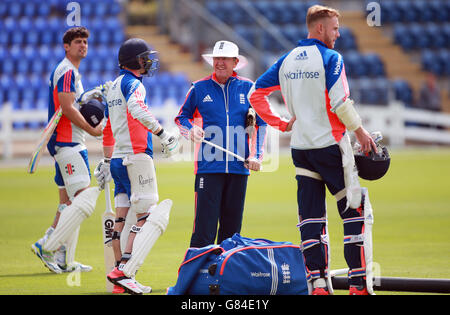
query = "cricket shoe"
{"x": 358, "y": 290}
{"x": 145, "y": 289}
{"x": 46, "y": 257}
{"x": 320, "y": 291}
{"x": 320, "y": 287}
{"x": 117, "y": 277}
{"x": 119, "y": 290}
{"x": 75, "y": 266}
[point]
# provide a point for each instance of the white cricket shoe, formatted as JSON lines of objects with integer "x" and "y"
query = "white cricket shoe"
{"x": 46, "y": 257}
{"x": 60, "y": 259}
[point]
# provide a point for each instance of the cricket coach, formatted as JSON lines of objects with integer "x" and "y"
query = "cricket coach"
{"x": 217, "y": 109}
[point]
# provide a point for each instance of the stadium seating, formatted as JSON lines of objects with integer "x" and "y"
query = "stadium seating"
{"x": 31, "y": 46}
{"x": 422, "y": 27}
{"x": 290, "y": 18}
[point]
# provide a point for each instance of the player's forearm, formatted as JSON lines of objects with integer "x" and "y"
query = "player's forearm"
{"x": 258, "y": 100}
{"x": 66, "y": 101}
{"x": 108, "y": 151}
{"x": 141, "y": 113}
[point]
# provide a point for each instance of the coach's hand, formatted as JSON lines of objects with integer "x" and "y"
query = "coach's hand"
{"x": 196, "y": 134}
{"x": 253, "y": 164}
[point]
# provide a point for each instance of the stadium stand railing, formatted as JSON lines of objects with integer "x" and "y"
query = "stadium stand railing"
{"x": 399, "y": 125}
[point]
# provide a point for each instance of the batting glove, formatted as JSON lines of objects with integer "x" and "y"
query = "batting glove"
{"x": 103, "y": 173}
{"x": 99, "y": 92}
{"x": 169, "y": 143}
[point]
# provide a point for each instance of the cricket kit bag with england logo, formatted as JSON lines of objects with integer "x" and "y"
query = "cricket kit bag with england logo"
{"x": 242, "y": 266}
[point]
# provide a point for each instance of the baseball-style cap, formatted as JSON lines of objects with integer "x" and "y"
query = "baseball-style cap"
{"x": 225, "y": 48}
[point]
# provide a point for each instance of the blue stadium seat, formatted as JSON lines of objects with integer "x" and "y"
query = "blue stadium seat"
{"x": 43, "y": 9}
{"x": 429, "y": 62}
{"x": 346, "y": 41}
{"x": 14, "y": 9}
{"x": 284, "y": 14}
{"x": 115, "y": 8}
{"x": 3, "y": 9}
{"x": 402, "y": 37}
{"x": 233, "y": 14}
{"x": 246, "y": 32}
{"x": 446, "y": 32}
{"x": 424, "y": 13}
{"x": 4, "y": 38}
{"x": 8, "y": 66}
{"x": 355, "y": 66}
{"x": 374, "y": 65}
{"x": 442, "y": 57}
{"x": 403, "y": 91}
{"x": 215, "y": 8}
{"x": 373, "y": 91}
{"x": 264, "y": 7}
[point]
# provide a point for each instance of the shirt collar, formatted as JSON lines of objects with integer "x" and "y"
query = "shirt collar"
{"x": 311, "y": 41}
{"x": 124, "y": 71}
{"x": 214, "y": 78}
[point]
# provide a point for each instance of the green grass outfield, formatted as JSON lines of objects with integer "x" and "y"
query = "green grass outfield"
{"x": 411, "y": 231}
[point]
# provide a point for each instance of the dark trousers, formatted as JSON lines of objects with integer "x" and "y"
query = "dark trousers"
{"x": 327, "y": 162}
{"x": 219, "y": 199}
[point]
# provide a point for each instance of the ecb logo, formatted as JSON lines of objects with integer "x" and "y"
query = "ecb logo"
{"x": 74, "y": 16}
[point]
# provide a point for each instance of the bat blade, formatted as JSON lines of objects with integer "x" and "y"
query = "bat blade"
{"x": 108, "y": 218}
{"x": 43, "y": 140}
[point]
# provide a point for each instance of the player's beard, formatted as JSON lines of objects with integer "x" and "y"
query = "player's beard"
{"x": 329, "y": 41}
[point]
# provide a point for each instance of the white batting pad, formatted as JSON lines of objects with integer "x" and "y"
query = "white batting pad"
{"x": 144, "y": 189}
{"x": 368, "y": 245}
{"x": 73, "y": 169}
{"x": 71, "y": 218}
{"x": 153, "y": 228}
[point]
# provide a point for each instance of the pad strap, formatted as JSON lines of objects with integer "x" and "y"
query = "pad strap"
{"x": 119, "y": 220}
{"x": 307, "y": 173}
{"x": 354, "y": 219}
{"x": 322, "y": 220}
{"x": 125, "y": 257}
{"x": 116, "y": 235}
{"x": 135, "y": 229}
{"x": 351, "y": 239}
{"x": 315, "y": 274}
{"x": 143, "y": 218}
{"x": 358, "y": 272}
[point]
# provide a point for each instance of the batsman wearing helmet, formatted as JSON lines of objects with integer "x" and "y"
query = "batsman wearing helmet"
{"x": 312, "y": 80}
{"x": 77, "y": 201}
{"x": 128, "y": 150}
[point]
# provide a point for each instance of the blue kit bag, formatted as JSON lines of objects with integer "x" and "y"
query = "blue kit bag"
{"x": 242, "y": 266}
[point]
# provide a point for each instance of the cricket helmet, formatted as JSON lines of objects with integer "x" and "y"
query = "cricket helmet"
{"x": 93, "y": 111}
{"x": 134, "y": 53}
{"x": 373, "y": 166}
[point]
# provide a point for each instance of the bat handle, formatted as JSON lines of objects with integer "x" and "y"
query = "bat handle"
{"x": 108, "y": 197}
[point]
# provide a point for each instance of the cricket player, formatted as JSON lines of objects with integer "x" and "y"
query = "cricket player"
{"x": 313, "y": 83}
{"x": 216, "y": 109}
{"x": 77, "y": 201}
{"x": 128, "y": 150}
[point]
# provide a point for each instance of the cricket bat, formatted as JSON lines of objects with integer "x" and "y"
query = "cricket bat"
{"x": 43, "y": 140}
{"x": 108, "y": 227}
